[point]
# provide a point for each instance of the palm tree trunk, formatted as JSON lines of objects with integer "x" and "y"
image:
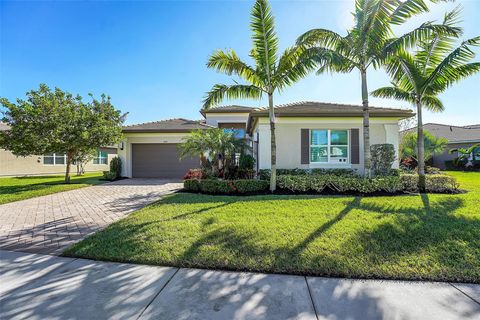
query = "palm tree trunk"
{"x": 273, "y": 145}
{"x": 420, "y": 149}
{"x": 366, "y": 125}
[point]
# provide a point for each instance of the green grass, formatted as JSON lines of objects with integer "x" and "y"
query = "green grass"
{"x": 20, "y": 188}
{"x": 434, "y": 237}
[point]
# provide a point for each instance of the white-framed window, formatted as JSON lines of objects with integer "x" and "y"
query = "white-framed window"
{"x": 54, "y": 159}
{"x": 101, "y": 158}
{"x": 329, "y": 146}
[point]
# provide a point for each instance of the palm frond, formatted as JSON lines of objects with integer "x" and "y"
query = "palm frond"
{"x": 229, "y": 63}
{"x": 320, "y": 38}
{"x": 424, "y": 32}
{"x": 458, "y": 57}
{"x": 453, "y": 75}
{"x": 432, "y": 103}
{"x": 393, "y": 93}
{"x": 294, "y": 64}
{"x": 406, "y": 10}
{"x": 265, "y": 41}
{"x": 220, "y": 92}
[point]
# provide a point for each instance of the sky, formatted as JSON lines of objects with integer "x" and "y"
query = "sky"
{"x": 150, "y": 56}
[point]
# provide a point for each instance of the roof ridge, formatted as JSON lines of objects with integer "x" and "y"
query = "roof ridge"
{"x": 157, "y": 121}
{"x": 296, "y": 103}
{"x": 452, "y": 125}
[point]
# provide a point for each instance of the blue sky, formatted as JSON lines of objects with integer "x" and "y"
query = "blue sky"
{"x": 150, "y": 56}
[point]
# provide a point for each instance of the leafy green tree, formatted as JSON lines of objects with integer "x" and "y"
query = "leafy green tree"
{"x": 418, "y": 77}
{"x": 432, "y": 145}
{"x": 271, "y": 73}
{"x": 57, "y": 122}
{"x": 367, "y": 44}
{"x": 215, "y": 146}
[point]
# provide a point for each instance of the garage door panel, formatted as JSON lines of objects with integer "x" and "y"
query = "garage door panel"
{"x": 160, "y": 160}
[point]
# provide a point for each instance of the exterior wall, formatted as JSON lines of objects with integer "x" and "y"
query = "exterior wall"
{"x": 288, "y": 139}
{"x": 130, "y": 138}
{"x": 213, "y": 119}
{"x": 11, "y": 165}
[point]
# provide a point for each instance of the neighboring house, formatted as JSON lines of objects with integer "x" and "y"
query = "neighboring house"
{"x": 11, "y": 165}
{"x": 458, "y": 137}
{"x": 309, "y": 135}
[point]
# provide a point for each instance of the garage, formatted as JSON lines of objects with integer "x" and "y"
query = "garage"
{"x": 160, "y": 160}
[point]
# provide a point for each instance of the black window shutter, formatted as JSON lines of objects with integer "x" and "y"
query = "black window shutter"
{"x": 354, "y": 146}
{"x": 305, "y": 146}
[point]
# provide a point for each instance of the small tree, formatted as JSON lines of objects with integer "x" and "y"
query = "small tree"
{"x": 82, "y": 157}
{"x": 432, "y": 145}
{"x": 57, "y": 122}
{"x": 215, "y": 146}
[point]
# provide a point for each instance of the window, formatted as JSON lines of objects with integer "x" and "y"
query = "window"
{"x": 54, "y": 159}
{"x": 238, "y": 133}
{"x": 329, "y": 146}
{"x": 101, "y": 158}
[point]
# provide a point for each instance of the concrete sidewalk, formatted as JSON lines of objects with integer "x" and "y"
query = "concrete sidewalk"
{"x": 37, "y": 286}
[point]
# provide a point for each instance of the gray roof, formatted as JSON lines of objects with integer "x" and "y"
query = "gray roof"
{"x": 4, "y": 126}
{"x": 227, "y": 109}
{"x": 170, "y": 125}
{"x": 323, "y": 109}
{"x": 454, "y": 134}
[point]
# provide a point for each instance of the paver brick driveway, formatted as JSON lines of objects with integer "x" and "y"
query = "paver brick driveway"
{"x": 49, "y": 224}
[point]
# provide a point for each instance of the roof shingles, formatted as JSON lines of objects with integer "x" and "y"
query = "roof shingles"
{"x": 170, "y": 125}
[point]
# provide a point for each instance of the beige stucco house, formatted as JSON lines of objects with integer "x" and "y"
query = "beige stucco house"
{"x": 309, "y": 135}
{"x": 11, "y": 165}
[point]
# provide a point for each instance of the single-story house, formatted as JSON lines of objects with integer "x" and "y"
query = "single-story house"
{"x": 308, "y": 135}
{"x": 11, "y": 165}
{"x": 457, "y": 136}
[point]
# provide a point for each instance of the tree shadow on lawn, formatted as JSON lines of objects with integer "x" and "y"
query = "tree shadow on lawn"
{"x": 451, "y": 244}
{"x": 429, "y": 237}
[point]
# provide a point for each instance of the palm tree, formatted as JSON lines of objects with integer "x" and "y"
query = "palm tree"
{"x": 270, "y": 74}
{"x": 419, "y": 77}
{"x": 464, "y": 153}
{"x": 367, "y": 44}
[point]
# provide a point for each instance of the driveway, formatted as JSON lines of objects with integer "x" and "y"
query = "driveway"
{"x": 49, "y": 224}
{"x": 48, "y": 287}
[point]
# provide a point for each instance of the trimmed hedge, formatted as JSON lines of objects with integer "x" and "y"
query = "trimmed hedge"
{"x": 216, "y": 186}
{"x": 264, "y": 174}
{"x": 388, "y": 184}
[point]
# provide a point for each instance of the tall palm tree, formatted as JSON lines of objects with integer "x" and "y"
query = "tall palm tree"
{"x": 420, "y": 76}
{"x": 367, "y": 45}
{"x": 270, "y": 74}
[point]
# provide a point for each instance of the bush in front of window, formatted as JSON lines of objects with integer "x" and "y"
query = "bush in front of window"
{"x": 382, "y": 158}
{"x": 381, "y": 184}
{"x": 264, "y": 174}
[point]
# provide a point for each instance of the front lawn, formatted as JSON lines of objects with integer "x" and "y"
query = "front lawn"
{"x": 434, "y": 237}
{"x": 20, "y": 188}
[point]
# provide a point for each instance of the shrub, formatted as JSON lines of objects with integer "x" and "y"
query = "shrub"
{"x": 109, "y": 175}
{"x": 216, "y": 186}
{"x": 116, "y": 166}
{"x": 247, "y": 186}
{"x": 193, "y": 174}
{"x": 382, "y": 157}
{"x": 246, "y": 161}
{"x": 264, "y": 174}
{"x": 342, "y": 184}
{"x": 191, "y": 184}
{"x": 434, "y": 183}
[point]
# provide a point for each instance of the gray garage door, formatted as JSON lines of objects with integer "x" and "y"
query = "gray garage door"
{"x": 160, "y": 160}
